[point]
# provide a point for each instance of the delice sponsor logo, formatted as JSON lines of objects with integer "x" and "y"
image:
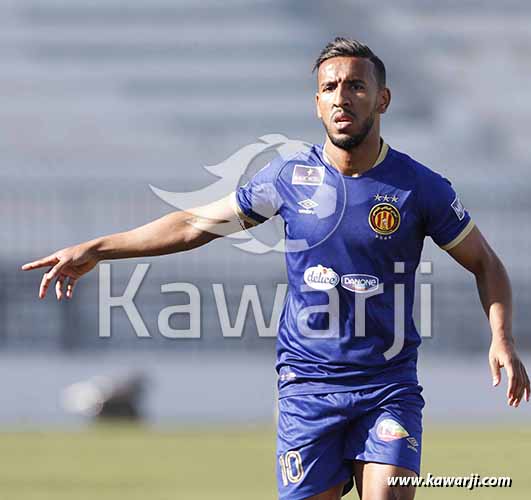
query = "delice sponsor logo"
{"x": 359, "y": 283}
{"x": 321, "y": 278}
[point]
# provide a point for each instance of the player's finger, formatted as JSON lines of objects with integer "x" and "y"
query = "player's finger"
{"x": 511, "y": 382}
{"x": 45, "y": 261}
{"x": 495, "y": 371}
{"x": 517, "y": 385}
{"x": 70, "y": 287}
{"x": 49, "y": 277}
{"x": 59, "y": 286}
{"x": 54, "y": 272}
{"x": 43, "y": 288}
{"x": 521, "y": 384}
{"x": 515, "y": 399}
{"x": 512, "y": 390}
{"x": 524, "y": 382}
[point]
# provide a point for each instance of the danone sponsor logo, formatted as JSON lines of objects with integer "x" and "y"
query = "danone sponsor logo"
{"x": 321, "y": 278}
{"x": 359, "y": 283}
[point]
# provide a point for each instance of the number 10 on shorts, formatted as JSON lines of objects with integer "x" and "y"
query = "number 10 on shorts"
{"x": 291, "y": 467}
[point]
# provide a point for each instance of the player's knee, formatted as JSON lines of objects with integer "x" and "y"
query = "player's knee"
{"x": 400, "y": 493}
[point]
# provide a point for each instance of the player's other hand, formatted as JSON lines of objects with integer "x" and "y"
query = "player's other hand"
{"x": 503, "y": 355}
{"x": 66, "y": 266}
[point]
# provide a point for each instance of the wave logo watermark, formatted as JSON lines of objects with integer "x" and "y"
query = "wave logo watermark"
{"x": 270, "y": 237}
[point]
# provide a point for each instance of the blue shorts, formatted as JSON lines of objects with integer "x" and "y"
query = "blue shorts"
{"x": 319, "y": 435}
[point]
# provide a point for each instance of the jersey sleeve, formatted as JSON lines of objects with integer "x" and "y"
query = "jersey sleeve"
{"x": 446, "y": 219}
{"x": 259, "y": 199}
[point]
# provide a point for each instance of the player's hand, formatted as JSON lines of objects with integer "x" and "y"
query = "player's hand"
{"x": 66, "y": 266}
{"x": 503, "y": 354}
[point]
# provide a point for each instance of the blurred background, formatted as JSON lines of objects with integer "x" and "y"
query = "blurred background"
{"x": 101, "y": 99}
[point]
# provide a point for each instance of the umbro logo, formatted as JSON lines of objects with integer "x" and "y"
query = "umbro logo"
{"x": 307, "y": 206}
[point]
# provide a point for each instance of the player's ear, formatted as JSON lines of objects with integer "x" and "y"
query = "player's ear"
{"x": 384, "y": 100}
{"x": 318, "y": 111}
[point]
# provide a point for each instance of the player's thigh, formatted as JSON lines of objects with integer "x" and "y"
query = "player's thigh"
{"x": 372, "y": 481}
{"x": 310, "y": 447}
{"x": 334, "y": 493}
{"x": 390, "y": 432}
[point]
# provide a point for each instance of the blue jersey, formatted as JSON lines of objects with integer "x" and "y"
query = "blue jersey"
{"x": 352, "y": 248}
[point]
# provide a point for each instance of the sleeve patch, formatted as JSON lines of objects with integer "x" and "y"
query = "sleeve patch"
{"x": 459, "y": 209}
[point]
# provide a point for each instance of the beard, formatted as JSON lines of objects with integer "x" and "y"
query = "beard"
{"x": 348, "y": 142}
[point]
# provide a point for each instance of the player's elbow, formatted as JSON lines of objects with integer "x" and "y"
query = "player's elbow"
{"x": 195, "y": 231}
{"x": 489, "y": 264}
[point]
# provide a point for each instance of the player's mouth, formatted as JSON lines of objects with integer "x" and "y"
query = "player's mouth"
{"x": 342, "y": 119}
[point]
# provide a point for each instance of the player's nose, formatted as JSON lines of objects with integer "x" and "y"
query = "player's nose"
{"x": 342, "y": 96}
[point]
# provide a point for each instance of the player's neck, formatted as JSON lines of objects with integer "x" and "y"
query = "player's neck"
{"x": 356, "y": 161}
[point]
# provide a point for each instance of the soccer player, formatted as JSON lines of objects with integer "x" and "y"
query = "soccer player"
{"x": 356, "y": 212}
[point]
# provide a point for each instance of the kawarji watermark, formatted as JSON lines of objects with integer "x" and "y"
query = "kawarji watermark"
{"x": 250, "y": 298}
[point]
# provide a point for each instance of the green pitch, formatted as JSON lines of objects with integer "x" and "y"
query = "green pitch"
{"x": 136, "y": 463}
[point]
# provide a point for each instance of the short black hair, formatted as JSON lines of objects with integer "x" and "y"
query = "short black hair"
{"x": 348, "y": 47}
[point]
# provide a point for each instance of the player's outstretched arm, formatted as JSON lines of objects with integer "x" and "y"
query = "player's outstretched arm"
{"x": 475, "y": 254}
{"x": 175, "y": 232}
